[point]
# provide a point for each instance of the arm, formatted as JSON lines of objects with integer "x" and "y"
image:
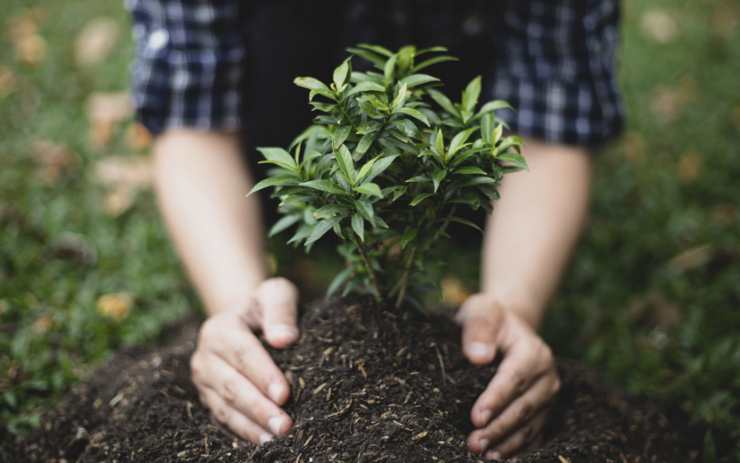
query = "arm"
{"x": 201, "y": 185}
{"x": 528, "y": 241}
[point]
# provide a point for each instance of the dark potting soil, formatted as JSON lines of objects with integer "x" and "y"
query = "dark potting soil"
{"x": 368, "y": 385}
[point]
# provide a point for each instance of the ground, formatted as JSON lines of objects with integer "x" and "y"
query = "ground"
{"x": 651, "y": 298}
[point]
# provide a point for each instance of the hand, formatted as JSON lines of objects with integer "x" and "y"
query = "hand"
{"x": 511, "y": 412}
{"x": 235, "y": 376}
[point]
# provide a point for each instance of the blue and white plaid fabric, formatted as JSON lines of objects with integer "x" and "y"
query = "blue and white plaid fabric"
{"x": 553, "y": 60}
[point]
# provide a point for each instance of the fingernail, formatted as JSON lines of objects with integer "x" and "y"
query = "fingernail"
{"x": 483, "y": 444}
{"x": 265, "y": 438}
{"x": 276, "y": 392}
{"x": 276, "y": 424}
{"x": 479, "y": 350}
{"x": 282, "y": 332}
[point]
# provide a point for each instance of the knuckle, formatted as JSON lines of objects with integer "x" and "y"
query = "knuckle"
{"x": 221, "y": 414}
{"x": 556, "y": 385}
{"x": 525, "y": 411}
{"x": 229, "y": 390}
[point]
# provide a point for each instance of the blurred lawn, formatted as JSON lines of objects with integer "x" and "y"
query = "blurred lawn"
{"x": 653, "y": 296}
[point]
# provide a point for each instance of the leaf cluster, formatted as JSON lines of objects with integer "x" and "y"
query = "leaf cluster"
{"x": 389, "y": 162}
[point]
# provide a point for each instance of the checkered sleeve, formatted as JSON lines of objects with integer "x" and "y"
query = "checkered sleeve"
{"x": 188, "y": 66}
{"x": 556, "y": 65}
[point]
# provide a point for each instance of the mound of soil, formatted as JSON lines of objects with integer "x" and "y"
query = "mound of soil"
{"x": 368, "y": 385}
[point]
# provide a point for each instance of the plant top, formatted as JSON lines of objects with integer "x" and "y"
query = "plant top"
{"x": 388, "y": 164}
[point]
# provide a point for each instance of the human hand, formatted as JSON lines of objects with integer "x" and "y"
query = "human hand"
{"x": 235, "y": 376}
{"x": 511, "y": 411}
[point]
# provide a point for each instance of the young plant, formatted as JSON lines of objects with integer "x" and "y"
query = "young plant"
{"x": 389, "y": 163}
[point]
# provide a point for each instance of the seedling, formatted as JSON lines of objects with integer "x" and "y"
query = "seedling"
{"x": 388, "y": 164}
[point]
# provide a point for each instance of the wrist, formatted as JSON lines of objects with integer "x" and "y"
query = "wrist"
{"x": 523, "y": 307}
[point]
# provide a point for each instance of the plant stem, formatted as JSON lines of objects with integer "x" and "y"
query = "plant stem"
{"x": 403, "y": 282}
{"x": 370, "y": 272}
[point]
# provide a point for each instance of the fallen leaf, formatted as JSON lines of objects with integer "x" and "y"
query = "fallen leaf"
{"x": 689, "y": 166}
{"x": 96, "y": 41}
{"x": 52, "y": 160}
{"x": 691, "y": 258}
{"x": 563, "y": 459}
{"x": 8, "y": 81}
{"x": 115, "y": 306}
{"x": 660, "y": 311}
{"x": 659, "y": 25}
{"x": 104, "y": 111}
{"x": 453, "y": 291}
{"x": 725, "y": 19}
{"x": 42, "y": 324}
{"x": 73, "y": 246}
{"x": 667, "y": 103}
{"x": 138, "y": 137}
{"x": 123, "y": 177}
{"x": 30, "y": 47}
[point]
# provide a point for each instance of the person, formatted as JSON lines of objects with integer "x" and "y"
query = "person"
{"x": 204, "y": 70}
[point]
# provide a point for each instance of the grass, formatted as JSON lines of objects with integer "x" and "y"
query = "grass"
{"x": 652, "y": 297}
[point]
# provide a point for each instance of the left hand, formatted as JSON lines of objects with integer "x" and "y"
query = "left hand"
{"x": 511, "y": 412}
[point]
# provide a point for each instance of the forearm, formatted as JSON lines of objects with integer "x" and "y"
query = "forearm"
{"x": 201, "y": 184}
{"x": 534, "y": 228}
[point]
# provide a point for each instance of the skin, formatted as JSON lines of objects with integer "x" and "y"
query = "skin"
{"x": 201, "y": 185}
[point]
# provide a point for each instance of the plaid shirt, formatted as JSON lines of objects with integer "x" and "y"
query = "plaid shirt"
{"x": 553, "y": 61}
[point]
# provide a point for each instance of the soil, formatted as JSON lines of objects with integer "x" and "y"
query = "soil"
{"x": 368, "y": 385}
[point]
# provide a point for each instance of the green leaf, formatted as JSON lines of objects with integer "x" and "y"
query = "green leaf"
{"x": 376, "y": 49}
{"x": 374, "y": 58}
{"x": 493, "y": 106}
{"x": 284, "y": 223}
{"x": 416, "y": 114}
{"x": 496, "y": 134}
{"x": 324, "y": 185}
{"x": 381, "y": 166}
{"x": 513, "y": 159}
{"x": 408, "y": 236}
{"x": 482, "y": 180}
{"x": 282, "y": 180}
{"x": 436, "y": 49}
{"x": 365, "y": 169}
{"x": 366, "y": 209}
{"x": 358, "y": 225}
{"x": 340, "y": 136}
{"x": 432, "y": 61}
{"x": 301, "y": 234}
{"x": 338, "y": 281}
{"x": 414, "y": 80}
{"x": 311, "y": 83}
{"x": 319, "y": 230}
{"x": 470, "y": 94}
{"x": 346, "y": 164}
{"x": 365, "y": 143}
{"x": 370, "y": 189}
{"x": 418, "y": 179}
{"x": 363, "y": 87}
{"x": 486, "y": 127}
{"x": 437, "y": 178}
{"x": 420, "y": 198}
{"x": 458, "y": 141}
{"x": 340, "y": 74}
{"x": 400, "y": 98}
{"x": 279, "y": 157}
{"x": 466, "y": 222}
{"x": 470, "y": 170}
{"x": 439, "y": 144}
{"x": 329, "y": 211}
{"x": 389, "y": 69}
{"x": 442, "y": 100}
{"x": 406, "y": 57}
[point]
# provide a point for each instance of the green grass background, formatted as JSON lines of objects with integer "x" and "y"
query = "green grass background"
{"x": 652, "y": 298}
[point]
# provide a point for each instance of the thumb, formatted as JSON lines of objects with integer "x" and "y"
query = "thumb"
{"x": 481, "y": 318}
{"x": 278, "y": 302}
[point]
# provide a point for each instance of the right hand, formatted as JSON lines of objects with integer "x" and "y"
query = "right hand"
{"x": 235, "y": 376}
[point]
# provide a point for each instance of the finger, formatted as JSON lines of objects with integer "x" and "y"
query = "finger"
{"x": 240, "y": 394}
{"x": 517, "y": 414}
{"x": 240, "y": 349}
{"x": 278, "y": 301}
{"x": 481, "y": 320}
{"x": 233, "y": 420}
{"x": 519, "y": 439}
{"x": 523, "y": 364}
